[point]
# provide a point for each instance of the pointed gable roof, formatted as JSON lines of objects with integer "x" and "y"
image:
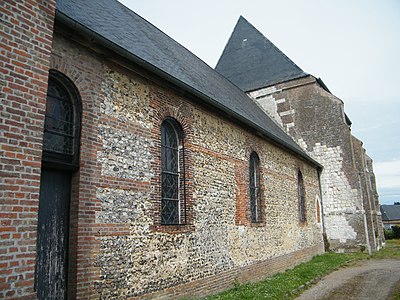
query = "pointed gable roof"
{"x": 251, "y": 61}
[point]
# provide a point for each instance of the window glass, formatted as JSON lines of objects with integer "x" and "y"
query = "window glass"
{"x": 172, "y": 160}
{"x": 59, "y": 120}
{"x": 254, "y": 182}
{"x": 301, "y": 196}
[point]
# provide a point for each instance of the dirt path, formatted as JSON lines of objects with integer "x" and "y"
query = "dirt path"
{"x": 368, "y": 279}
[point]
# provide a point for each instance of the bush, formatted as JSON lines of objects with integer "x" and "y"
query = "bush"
{"x": 396, "y": 232}
{"x": 388, "y": 234}
{"x": 393, "y": 233}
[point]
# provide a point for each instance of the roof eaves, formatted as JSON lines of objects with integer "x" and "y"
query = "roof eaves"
{"x": 73, "y": 24}
{"x": 323, "y": 85}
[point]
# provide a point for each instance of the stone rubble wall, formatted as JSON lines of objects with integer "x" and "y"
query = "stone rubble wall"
{"x": 122, "y": 251}
{"x": 374, "y": 202}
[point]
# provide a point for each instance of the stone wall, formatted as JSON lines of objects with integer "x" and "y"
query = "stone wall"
{"x": 375, "y": 204}
{"x": 370, "y": 196}
{"x": 121, "y": 248}
{"x": 316, "y": 120}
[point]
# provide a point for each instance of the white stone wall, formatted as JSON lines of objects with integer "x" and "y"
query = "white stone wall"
{"x": 265, "y": 99}
{"x": 337, "y": 194}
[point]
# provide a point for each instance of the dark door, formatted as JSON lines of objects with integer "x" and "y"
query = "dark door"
{"x": 52, "y": 240}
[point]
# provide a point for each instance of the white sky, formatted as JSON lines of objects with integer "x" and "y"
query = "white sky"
{"x": 353, "y": 45}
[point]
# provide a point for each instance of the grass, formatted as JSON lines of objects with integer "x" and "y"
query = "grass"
{"x": 391, "y": 250}
{"x": 288, "y": 284}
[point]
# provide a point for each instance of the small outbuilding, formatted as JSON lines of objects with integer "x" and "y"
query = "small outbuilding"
{"x": 390, "y": 215}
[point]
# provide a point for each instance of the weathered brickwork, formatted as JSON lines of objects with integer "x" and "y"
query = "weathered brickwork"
{"x": 316, "y": 120}
{"x": 85, "y": 70}
{"x": 26, "y": 30}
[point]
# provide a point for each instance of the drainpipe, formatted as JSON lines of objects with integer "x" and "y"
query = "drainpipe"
{"x": 322, "y": 207}
{"x": 368, "y": 183}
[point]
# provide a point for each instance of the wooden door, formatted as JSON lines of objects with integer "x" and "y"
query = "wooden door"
{"x": 52, "y": 240}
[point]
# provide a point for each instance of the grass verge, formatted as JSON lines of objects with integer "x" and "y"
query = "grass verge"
{"x": 288, "y": 284}
{"x": 391, "y": 250}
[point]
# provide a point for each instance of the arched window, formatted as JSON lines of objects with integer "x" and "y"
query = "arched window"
{"x": 173, "y": 202}
{"x": 62, "y": 122}
{"x": 301, "y": 197}
{"x": 254, "y": 182}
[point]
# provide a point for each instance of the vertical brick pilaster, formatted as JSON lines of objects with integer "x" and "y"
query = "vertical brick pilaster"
{"x": 26, "y": 33}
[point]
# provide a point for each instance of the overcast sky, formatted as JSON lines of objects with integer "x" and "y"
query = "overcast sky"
{"x": 353, "y": 45}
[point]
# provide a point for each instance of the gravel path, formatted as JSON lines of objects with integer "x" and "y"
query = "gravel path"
{"x": 368, "y": 279}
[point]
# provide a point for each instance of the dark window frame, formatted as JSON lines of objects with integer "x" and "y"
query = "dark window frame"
{"x": 301, "y": 193}
{"x": 173, "y": 181}
{"x": 255, "y": 189}
{"x": 55, "y": 128}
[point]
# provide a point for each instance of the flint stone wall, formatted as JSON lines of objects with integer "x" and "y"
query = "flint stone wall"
{"x": 117, "y": 239}
{"x": 147, "y": 261}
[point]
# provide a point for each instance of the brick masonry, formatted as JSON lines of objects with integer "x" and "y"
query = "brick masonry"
{"x": 315, "y": 119}
{"x": 26, "y": 30}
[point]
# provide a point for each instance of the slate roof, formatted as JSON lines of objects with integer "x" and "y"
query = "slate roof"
{"x": 390, "y": 212}
{"x": 252, "y": 62}
{"x": 113, "y": 25}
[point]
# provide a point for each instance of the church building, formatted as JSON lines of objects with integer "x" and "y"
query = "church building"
{"x": 130, "y": 169}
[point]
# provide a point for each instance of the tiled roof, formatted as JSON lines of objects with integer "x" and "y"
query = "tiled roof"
{"x": 251, "y": 61}
{"x": 390, "y": 212}
{"x": 123, "y": 31}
